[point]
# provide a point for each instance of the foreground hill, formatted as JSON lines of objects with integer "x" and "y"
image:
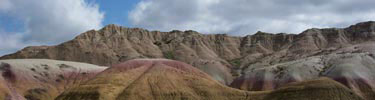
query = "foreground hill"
{"x": 317, "y": 89}
{"x": 353, "y": 66}
{"x": 40, "y": 79}
{"x": 152, "y": 80}
{"x": 161, "y": 79}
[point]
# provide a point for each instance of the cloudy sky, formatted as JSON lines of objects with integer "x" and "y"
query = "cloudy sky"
{"x": 49, "y": 22}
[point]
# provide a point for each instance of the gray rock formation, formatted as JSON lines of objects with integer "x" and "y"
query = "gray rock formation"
{"x": 221, "y": 56}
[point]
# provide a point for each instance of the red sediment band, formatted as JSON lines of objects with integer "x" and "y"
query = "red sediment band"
{"x": 7, "y": 73}
{"x": 137, "y": 63}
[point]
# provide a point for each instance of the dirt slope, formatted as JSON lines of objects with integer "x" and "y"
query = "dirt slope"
{"x": 41, "y": 79}
{"x": 158, "y": 79}
{"x": 319, "y": 89}
{"x": 355, "y": 69}
{"x": 161, "y": 79}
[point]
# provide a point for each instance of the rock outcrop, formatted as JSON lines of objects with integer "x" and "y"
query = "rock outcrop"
{"x": 114, "y": 44}
{"x": 40, "y": 79}
{"x": 352, "y": 66}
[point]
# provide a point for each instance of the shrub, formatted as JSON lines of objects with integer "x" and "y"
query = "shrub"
{"x": 236, "y": 63}
{"x": 169, "y": 55}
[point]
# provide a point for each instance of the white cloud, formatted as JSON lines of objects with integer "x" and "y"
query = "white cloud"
{"x": 240, "y": 17}
{"x": 4, "y": 5}
{"x": 11, "y": 42}
{"x": 48, "y": 21}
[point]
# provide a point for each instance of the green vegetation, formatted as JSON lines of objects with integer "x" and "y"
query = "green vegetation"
{"x": 169, "y": 55}
{"x": 324, "y": 69}
{"x": 236, "y": 63}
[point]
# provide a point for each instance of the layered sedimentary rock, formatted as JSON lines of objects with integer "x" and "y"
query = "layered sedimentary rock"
{"x": 353, "y": 66}
{"x": 114, "y": 44}
{"x": 161, "y": 79}
{"x": 40, "y": 79}
{"x": 319, "y": 89}
{"x": 157, "y": 79}
{"x": 263, "y": 61}
{"x": 230, "y": 54}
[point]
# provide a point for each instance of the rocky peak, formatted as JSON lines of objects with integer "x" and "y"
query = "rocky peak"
{"x": 116, "y": 28}
{"x": 311, "y": 31}
{"x": 110, "y": 26}
{"x": 363, "y": 27}
{"x": 362, "y": 31}
{"x": 175, "y": 31}
{"x": 261, "y": 33}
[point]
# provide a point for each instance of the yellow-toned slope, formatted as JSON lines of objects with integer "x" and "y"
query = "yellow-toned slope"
{"x": 162, "y": 79}
{"x": 153, "y": 80}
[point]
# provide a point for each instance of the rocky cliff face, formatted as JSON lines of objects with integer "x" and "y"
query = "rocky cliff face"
{"x": 354, "y": 70}
{"x": 114, "y": 44}
{"x": 228, "y": 54}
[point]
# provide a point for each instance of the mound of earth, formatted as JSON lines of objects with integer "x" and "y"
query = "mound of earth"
{"x": 158, "y": 79}
{"x": 354, "y": 70}
{"x": 319, "y": 89}
{"x": 41, "y": 79}
{"x": 161, "y": 79}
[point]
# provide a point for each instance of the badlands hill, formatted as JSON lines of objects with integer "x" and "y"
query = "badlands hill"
{"x": 354, "y": 70}
{"x": 317, "y": 89}
{"x": 144, "y": 79}
{"x": 41, "y": 79}
{"x": 153, "y": 80}
{"x": 161, "y": 79}
{"x": 221, "y": 56}
{"x": 263, "y": 61}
